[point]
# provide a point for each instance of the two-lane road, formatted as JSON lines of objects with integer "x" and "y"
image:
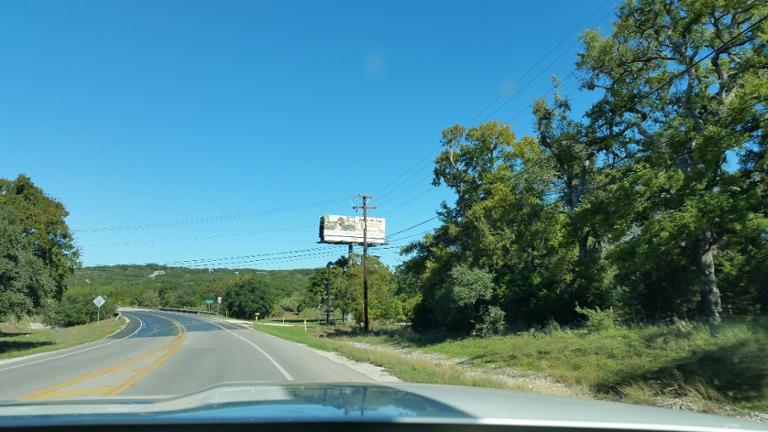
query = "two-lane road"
{"x": 164, "y": 354}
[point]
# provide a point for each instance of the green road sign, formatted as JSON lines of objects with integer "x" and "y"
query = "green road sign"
{"x": 207, "y": 301}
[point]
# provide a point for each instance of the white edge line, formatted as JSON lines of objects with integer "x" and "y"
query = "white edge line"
{"x": 141, "y": 325}
{"x": 608, "y": 425}
{"x": 269, "y": 357}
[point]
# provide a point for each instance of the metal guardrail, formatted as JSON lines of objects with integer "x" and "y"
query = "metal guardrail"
{"x": 193, "y": 311}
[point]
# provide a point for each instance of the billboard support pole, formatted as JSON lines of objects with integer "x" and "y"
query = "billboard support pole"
{"x": 365, "y": 207}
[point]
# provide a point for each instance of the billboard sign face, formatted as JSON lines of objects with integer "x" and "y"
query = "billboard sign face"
{"x": 349, "y": 229}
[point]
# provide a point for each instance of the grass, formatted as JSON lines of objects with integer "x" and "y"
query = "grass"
{"x": 407, "y": 369}
{"x": 17, "y": 339}
{"x": 716, "y": 369}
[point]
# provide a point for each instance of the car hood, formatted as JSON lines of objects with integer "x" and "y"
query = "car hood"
{"x": 415, "y": 403}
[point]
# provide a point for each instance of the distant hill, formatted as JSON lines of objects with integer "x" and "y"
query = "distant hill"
{"x": 157, "y": 285}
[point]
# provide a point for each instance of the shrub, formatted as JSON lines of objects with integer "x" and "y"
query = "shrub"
{"x": 491, "y": 322}
{"x": 597, "y": 319}
{"x": 552, "y": 326}
{"x": 76, "y": 307}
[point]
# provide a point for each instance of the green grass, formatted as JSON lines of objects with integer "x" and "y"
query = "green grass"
{"x": 720, "y": 368}
{"x": 17, "y": 339}
{"x": 407, "y": 369}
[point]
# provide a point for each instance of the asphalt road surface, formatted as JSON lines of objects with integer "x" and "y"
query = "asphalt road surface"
{"x": 165, "y": 354}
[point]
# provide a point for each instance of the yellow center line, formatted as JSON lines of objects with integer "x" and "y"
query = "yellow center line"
{"x": 138, "y": 373}
{"x": 143, "y": 372}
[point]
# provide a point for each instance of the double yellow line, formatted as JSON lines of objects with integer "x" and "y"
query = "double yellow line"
{"x": 64, "y": 389}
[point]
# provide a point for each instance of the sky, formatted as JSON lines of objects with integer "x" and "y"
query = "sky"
{"x": 176, "y": 132}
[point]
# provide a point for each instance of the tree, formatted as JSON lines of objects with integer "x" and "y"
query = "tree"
{"x": 572, "y": 149}
{"x": 326, "y": 286}
{"x": 381, "y": 300}
{"x": 247, "y": 297}
{"x": 24, "y": 281}
{"x": 508, "y": 219}
{"x": 43, "y": 226}
{"x": 675, "y": 77}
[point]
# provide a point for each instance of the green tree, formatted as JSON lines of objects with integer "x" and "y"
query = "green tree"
{"x": 43, "y": 226}
{"x": 327, "y": 286}
{"x": 25, "y": 284}
{"x": 247, "y": 297}
{"x": 677, "y": 81}
{"x": 507, "y": 219}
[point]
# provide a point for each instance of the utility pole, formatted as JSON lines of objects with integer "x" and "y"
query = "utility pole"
{"x": 365, "y": 207}
{"x": 328, "y": 293}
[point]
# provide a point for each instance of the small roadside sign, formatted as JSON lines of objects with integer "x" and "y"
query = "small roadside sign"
{"x": 208, "y": 301}
{"x": 99, "y": 302}
{"x": 219, "y": 300}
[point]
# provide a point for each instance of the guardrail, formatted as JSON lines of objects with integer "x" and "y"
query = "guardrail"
{"x": 194, "y": 311}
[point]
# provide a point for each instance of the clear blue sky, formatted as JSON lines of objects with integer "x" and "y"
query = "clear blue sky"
{"x": 136, "y": 113}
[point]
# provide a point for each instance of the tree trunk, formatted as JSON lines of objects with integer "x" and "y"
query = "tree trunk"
{"x": 710, "y": 303}
{"x": 583, "y": 245}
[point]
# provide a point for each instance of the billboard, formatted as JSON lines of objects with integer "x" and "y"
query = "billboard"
{"x": 349, "y": 229}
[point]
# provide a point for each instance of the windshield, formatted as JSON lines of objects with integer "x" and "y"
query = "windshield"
{"x": 556, "y": 198}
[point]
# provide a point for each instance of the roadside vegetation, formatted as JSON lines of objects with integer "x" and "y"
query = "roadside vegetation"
{"x": 18, "y": 338}
{"x": 686, "y": 366}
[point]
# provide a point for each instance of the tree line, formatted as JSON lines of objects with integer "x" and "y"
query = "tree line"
{"x": 652, "y": 204}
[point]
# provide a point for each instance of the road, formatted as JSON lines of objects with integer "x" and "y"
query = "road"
{"x": 166, "y": 353}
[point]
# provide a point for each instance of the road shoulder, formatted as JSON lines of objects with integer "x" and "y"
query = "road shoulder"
{"x": 20, "y": 356}
{"x": 372, "y": 371}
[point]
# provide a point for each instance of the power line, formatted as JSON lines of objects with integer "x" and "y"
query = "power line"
{"x": 409, "y": 201}
{"x": 211, "y": 219}
{"x": 242, "y": 257}
{"x": 656, "y": 89}
{"x": 529, "y": 82}
{"x": 385, "y": 191}
{"x": 411, "y": 235}
{"x": 273, "y": 260}
{"x": 576, "y": 28}
{"x": 687, "y": 69}
{"x": 542, "y": 96}
{"x": 215, "y": 236}
{"x": 409, "y": 187}
{"x": 698, "y": 148}
{"x": 414, "y": 226}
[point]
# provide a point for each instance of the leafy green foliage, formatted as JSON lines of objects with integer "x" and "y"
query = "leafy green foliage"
{"x": 43, "y": 228}
{"x": 345, "y": 280}
{"x": 76, "y": 307}
{"x": 491, "y": 323}
{"x": 24, "y": 281}
{"x": 248, "y": 297}
{"x": 692, "y": 115}
{"x": 653, "y": 203}
{"x": 597, "y": 320}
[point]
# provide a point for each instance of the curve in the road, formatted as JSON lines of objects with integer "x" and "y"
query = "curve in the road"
{"x": 114, "y": 379}
{"x": 77, "y": 351}
{"x": 167, "y": 354}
